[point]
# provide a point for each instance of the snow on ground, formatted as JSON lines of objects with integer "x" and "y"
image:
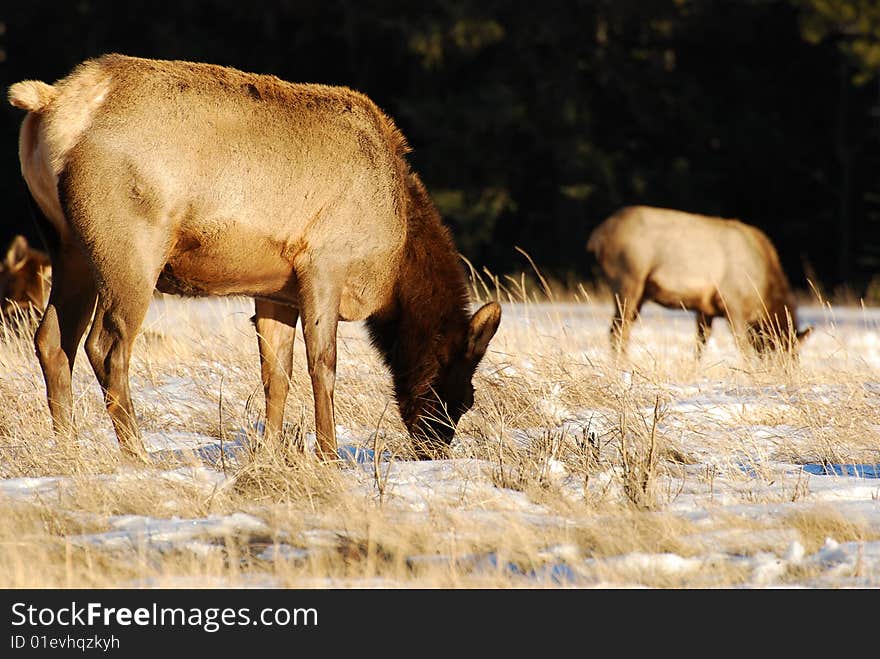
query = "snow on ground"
{"x": 752, "y": 455}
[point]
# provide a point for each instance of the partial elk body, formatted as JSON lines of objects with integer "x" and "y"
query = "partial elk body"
{"x": 25, "y": 276}
{"x": 713, "y": 266}
{"x": 200, "y": 180}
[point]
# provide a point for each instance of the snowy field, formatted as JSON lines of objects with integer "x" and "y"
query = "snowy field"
{"x": 571, "y": 470}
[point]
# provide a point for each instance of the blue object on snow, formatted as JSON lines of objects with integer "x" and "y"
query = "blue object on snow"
{"x": 355, "y": 454}
{"x": 359, "y": 454}
{"x": 558, "y": 573}
{"x": 212, "y": 452}
{"x": 858, "y": 470}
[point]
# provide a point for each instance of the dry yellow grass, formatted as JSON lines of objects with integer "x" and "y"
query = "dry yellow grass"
{"x": 625, "y": 471}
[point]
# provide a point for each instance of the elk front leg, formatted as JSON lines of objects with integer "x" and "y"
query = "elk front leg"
{"x": 320, "y": 317}
{"x": 704, "y": 331}
{"x": 739, "y": 328}
{"x": 627, "y": 303}
{"x": 276, "y": 330}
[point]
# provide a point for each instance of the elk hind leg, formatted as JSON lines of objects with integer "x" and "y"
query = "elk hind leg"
{"x": 126, "y": 279}
{"x": 108, "y": 347}
{"x": 67, "y": 314}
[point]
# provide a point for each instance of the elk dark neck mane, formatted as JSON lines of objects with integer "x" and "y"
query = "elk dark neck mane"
{"x": 429, "y": 317}
{"x": 778, "y": 300}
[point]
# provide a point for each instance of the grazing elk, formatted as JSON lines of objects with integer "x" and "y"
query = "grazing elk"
{"x": 199, "y": 180}
{"x": 25, "y": 274}
{"x": 714, "y": 266}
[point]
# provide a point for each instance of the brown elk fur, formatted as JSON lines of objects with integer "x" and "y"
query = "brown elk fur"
{"x": 25, "y": 275}
{"x": 714, "y": 266}
{"x": 204, "y": 180}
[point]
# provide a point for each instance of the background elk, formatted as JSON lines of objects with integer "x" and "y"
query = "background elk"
{"x": 198, "y": 179}
{"x": 714, "y": 266}
{"x": 25, "y": 275}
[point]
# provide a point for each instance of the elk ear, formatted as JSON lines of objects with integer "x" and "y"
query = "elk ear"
{"x": 17, "y": 254}
{"x": 803, "y": 334}
{"x": 483, "y": 325}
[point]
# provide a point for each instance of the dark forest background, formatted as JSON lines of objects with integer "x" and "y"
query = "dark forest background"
{"x": 531, "y": 122}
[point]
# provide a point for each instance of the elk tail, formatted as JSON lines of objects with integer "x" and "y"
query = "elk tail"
{"x": 32, "y": 95}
